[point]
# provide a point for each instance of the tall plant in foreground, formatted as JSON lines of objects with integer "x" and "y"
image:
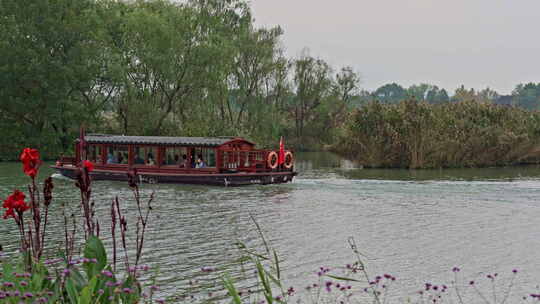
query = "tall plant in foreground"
{"x": 89, "y": 278}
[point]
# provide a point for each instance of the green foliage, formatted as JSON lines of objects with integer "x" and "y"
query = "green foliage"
{"x": 97, "y": 284}
{"x": 94, "y": 250}
{"x": 527, "y": 96}
{"x": 50, "y": 69}
{"x": 415, "y": 134}
{"x": 156, "y": 67}
{"x": 35, "y": 283}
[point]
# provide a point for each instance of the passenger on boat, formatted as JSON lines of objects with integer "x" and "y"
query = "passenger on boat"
{"x": 111, "y": 159}
{"x": 120, "y": 157}
{"x": 199, "y": 162}
{"x": 185, "y": 162}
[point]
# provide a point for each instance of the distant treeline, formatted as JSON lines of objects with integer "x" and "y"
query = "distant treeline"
{"x": 526, "y": 96}
{"x": 413, "y": 134}
{"x": 178, "y": 68}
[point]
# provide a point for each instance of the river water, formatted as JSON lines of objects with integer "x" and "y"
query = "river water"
{"x": 415, "y": 225}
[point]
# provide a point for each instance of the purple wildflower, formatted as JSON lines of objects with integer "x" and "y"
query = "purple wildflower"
{"x": 107, "y": 273}
{"x": 207, "y": 269}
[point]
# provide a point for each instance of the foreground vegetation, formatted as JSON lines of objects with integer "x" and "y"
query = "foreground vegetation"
{"x": 415, "y": 134}
{"x": 81, "y": 274}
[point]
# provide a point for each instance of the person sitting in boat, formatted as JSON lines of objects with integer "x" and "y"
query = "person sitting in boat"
{"x": 120, "y": 158}
{"x": 199, "y": 163}
{"x": 185, "y": 162}
{"x": 111, "y": 159}
{"x": 150, "y": 160}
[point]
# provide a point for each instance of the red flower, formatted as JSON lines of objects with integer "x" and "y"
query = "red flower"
{"x": 88, "y": 165}
{"x": 15, "y": 202}
{"x": 31, "y": 161}
{"x": 9, "y": 213}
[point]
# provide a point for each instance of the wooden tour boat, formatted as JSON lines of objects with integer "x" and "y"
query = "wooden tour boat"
{"x": 226, "y": 161}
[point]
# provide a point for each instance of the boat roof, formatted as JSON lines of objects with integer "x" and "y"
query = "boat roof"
{"x": 161, "y": 140}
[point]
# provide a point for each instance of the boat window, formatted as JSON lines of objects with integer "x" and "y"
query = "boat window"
{"x": 93, "y": 154}
{"x": 117, "y": 155}
{"x": 145, "y": 156}
{"x": 175, "y": 156}
{"x": 204, "y": 158}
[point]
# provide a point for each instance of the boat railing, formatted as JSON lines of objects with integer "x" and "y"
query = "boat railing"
{"x": 67, "y": 160}
{"x": 237, "y": 160}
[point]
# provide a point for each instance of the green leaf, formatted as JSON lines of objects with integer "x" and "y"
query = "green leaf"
{"x": 342, "y": 278}
{"x": 228, "y": 283}
{"x": 266, "y": 285}
{"x": 71, "y": 291}
{"x": 88, "y": 291}
{"x": 276, "y": 262}
{"x": 275, "y": 280}
{"x": 94, "y": 249}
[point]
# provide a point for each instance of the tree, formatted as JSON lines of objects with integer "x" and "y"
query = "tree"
{"x": 427, "y": 92}
{"x": 50, "y": 71}
{"x": 312, "y": 84}
{"x": 390, "y": 93}
{"x": 527, "y": 96}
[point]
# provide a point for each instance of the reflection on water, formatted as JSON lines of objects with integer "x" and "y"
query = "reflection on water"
{"x": 416, "y": 225}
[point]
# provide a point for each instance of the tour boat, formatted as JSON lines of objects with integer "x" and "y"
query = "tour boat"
{"x": 226, "y": 161}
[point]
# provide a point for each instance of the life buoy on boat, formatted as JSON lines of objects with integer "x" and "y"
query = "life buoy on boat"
{"x": 289, "y": 159}
{"x": 272, "y": 160}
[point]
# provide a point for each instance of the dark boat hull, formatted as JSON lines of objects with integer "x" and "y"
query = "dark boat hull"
{"x": 218, "y": 179}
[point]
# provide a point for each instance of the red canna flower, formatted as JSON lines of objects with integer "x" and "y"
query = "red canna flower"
{"x": 15, "y": 202}
{"x": 9, "y": 213}
{"x": 88, "y": 165}
{"x": 30, "y": 159}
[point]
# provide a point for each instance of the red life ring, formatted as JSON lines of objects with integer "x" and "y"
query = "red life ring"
{"x": 272, "y": 160}
{"x": 289, "y": 159}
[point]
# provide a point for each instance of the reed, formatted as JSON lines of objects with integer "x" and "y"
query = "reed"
{"x": 414, "y": 134}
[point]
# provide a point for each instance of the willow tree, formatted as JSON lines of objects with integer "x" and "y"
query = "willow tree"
{"x": 312, "y": 84}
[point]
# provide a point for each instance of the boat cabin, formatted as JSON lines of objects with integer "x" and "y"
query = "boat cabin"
{"x": 176, "y": 154}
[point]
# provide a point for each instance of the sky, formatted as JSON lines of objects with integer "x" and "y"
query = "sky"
{"x": 475, "y": 43}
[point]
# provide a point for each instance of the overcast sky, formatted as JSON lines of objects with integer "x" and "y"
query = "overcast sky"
{"x": 477, "y": 43}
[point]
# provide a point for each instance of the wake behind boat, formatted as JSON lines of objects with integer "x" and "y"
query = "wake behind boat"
{"x": 225, "y": 161}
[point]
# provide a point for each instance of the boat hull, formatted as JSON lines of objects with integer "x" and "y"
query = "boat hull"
{"x": 218, "y": 179}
